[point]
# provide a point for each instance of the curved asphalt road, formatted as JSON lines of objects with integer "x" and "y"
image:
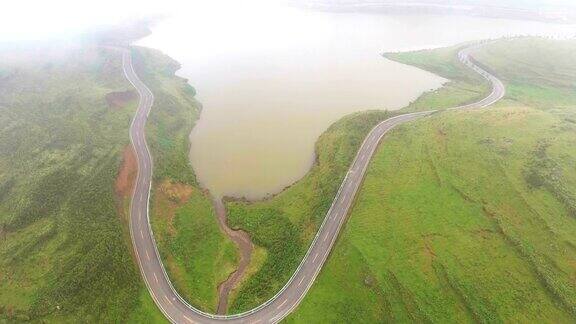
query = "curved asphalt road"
{"x": 278, "y": 307}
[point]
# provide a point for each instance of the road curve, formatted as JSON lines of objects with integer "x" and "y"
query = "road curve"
{"x": 174, "y": 307}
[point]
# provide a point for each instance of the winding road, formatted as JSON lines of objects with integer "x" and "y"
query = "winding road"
{"x": 174, "y": 307}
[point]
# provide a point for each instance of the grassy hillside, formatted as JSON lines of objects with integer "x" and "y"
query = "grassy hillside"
{"x": 467, "y": 216}
{"x": 65, "y": 174}
{"x": 63, "y": 256}
{"x": 197, "y": 255}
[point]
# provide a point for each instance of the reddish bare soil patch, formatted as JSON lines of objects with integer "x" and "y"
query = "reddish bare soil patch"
{"x": 123, "y": 187}
{"x": 126, "y": 174}
{"x": 117, "y": 100}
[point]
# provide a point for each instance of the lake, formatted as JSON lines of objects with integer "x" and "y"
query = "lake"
{"x": 271, "y": 79}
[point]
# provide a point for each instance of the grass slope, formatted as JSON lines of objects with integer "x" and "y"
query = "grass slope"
{"x": 197, "y": 255}
{"x": 467, "y": 216}
{"x": 63, "y": 256}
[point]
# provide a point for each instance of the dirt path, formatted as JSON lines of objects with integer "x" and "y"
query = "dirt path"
{"x": 242, "y": 240}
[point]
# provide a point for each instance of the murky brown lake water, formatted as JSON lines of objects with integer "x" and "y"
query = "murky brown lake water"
{"x": 271, "y": 85}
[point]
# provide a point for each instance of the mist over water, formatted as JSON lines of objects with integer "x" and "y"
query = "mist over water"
{"x": 271, "y": 79}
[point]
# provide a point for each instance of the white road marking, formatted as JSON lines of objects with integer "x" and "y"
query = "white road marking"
{"x": 301, "y": 280}
{"x": 325, "y": 237}
{"x": 315, "y": 256}
{"x": 155, "y": 278}
{"x": 142, "y": 234}
{"x": 147, "y": 255}
{"x": 282, "y": 304}
{"x": 168, "y": 299}
{"x": 188, "y": 319}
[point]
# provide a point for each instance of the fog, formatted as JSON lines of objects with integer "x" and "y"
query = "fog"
{"x": 57, "y": 19}
{"x": 272, "y": 77}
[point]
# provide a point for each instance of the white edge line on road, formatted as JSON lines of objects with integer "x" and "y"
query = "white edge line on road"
{"x": 276, "y": 318}
{"x": 299, "y": 283}
{"x": 168, "y": 299}
{"x": 282, "y": 304}
{"x": 315, "y": 256}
